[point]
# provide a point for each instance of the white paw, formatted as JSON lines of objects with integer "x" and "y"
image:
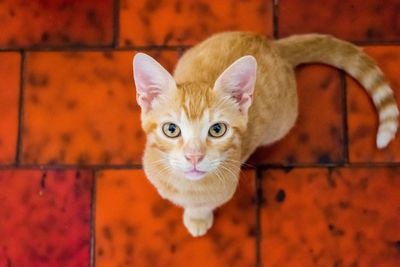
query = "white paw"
{"x": 198, "y": 226}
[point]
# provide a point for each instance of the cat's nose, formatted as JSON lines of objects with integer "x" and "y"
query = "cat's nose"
{"x": 194, "y": 158}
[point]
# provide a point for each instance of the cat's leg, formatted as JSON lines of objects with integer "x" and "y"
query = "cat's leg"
{"x": 198, "y": 220}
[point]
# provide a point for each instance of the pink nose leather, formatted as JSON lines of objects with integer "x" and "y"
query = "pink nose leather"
{"x": 194, "y": 158}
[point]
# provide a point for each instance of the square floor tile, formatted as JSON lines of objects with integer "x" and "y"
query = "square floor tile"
{"x": 355, "y": 20}
{"x": 136, "y": 227}
{"x": 80, "y": 108}
{"x": 331, "y": 217}
{"x": 56, "y": 23}
{"x": 177, "y": 22}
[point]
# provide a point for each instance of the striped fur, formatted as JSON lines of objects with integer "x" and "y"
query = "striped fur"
{"x": 194, "y": 104}
{"x": 344, "y": 55}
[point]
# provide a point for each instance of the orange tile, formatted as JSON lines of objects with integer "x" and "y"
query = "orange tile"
{"x": 150, "y": 22}
{"x": 338, "y": 217}
{"x": 362, "y": 117}
{"x": 81, "y": 108}
{"x": 135, "y": 227}
{"x": 9, "y": 100}
{"x": 318, "y": 133}
{"x": 356, "y": 20}
{"x": 56, "y": 23}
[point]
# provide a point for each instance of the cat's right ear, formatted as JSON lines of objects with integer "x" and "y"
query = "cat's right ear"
{"x": 151, "y": 80}
{"x": 238, "y": 81}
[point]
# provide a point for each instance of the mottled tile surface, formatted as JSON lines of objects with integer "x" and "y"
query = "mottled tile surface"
{"x": 150, "y": 22}
{"x": 318, "y": 133}
{"x": 45, "y": 218}
{"x": 363, "y": 119}
{"x": 73, "y": 61}
{"x": 9, "y": 100}
{"x": 80, "y": 108}
{"x": 135, "y": 227}
{"x": 56, "y": 23}
{"x": 338, "y": 217}
{"x": 356, "y": 20}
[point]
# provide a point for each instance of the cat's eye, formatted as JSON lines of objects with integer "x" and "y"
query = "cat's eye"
{"x": 217, "y": 129}
{"x": 171, "y": 130}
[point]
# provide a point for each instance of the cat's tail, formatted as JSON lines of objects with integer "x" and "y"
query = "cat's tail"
{"x": 326, "y": 49}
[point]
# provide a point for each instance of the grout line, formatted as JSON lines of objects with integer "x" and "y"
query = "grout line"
{"x": 259, "y": 199}
{"x": 375, "y": 42}
{"x": 116, "y": 23}
{"x": 334, "y": 165}
{"x": 95, "y": 48}
{"x": 275, "y": 18}
{"x": 65, "y": 48}
{"x": 345, "y": 122}
{"x": 101, "y": 167}
{"x": 71, "y": 166}
{"x": 93, "y": 221}
{"x": 181, "y": 51}
{"x": 77, "y": 48}
{"x": 108, "y": 48}
{"x": 20, "y": 109}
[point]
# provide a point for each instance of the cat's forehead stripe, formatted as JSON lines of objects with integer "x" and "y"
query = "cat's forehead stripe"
{"x": 194, "y": 100}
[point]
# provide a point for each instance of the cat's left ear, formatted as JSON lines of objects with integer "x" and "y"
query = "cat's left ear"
{"x": 151, "y": 80}
{"x": 238, "y": 80}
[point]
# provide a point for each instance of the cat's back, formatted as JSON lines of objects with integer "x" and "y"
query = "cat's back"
{"x": 206, "y": 61}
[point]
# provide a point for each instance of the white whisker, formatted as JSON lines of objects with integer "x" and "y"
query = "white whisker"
{"x": 241, "y": 163}
{"x": 228, "y": 170}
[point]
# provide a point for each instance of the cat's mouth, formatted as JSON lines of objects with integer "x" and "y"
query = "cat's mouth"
{"x": 195, "y": 174}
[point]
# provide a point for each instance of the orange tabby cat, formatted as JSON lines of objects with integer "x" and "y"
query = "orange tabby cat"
{"x": 230, "y": 94}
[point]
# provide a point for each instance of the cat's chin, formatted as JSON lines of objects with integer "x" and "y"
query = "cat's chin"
{"x": 194, "y": 175}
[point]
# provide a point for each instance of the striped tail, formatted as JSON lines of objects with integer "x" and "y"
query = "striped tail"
{"x": 309, "y": 48}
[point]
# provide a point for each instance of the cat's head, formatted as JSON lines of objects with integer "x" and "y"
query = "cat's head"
{"x": 195, "y": 128}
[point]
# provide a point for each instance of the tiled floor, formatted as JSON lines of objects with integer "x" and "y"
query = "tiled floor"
{"x": 72, "y": 192}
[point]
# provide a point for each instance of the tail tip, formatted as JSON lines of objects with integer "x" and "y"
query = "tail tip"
{"x": 383, "y": 139}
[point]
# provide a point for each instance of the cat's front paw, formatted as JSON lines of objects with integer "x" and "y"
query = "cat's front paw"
{"x": 198, "y": 226}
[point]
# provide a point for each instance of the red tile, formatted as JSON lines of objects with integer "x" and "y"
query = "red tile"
{"x": 135, "y": 227}
{"x": 337, "y": 217}
{"x": 85, "y": 111}
{"x": 152, "y": 22}
{"x": 318, "y": 133}
{"x": 356, "y": 20}
{"x": 45, "y": 218}
{"x": 9, "y": 100}
{"x": 362, "y": 117}
{"x": 56, "y": 23}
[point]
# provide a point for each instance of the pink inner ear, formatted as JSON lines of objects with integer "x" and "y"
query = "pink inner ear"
{"x": 238, "y": 80}
{"x": 151, "y": 80}
{"x": 146, "y": 90}
{"x": 145, "y": 99}
{"x": 245, "y": 103}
